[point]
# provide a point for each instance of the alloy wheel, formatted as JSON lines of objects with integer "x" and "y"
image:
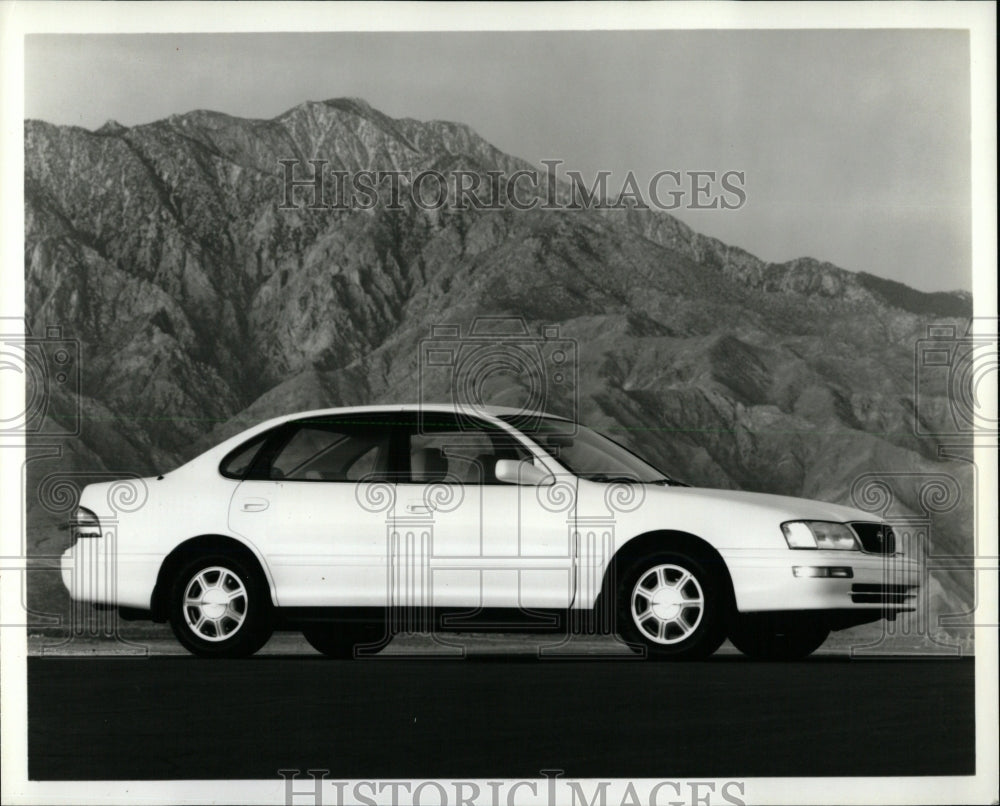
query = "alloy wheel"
{"x": 668, "y": 603}
{"x": 215, "y": 604}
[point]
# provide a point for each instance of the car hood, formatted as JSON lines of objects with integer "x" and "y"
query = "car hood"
{"x": 785, "y": 507}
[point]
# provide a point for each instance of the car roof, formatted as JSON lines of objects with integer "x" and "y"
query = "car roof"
{"x": 494, "y": 411}
{"x": 489, "y": 411}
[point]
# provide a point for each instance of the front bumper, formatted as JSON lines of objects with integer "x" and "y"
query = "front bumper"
{"x": 765, "y": 581}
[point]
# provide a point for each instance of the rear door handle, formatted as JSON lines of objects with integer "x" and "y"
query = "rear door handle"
{"x": 417, "y": 508}
{"x": 255, "y": 505}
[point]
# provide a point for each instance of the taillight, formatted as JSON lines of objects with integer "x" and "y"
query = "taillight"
{"x": 84, "y": 524}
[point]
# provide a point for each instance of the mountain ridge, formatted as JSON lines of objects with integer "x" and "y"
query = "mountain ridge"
{"x": 704, "y": 248}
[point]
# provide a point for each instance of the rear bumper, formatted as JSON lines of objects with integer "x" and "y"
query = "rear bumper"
{"x": 93, "y": 572}
{"x": 766, "y": 581}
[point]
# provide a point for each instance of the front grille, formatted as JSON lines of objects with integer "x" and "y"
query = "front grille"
{"x": 876, "y": 538}
{"x": 863, "y": 593}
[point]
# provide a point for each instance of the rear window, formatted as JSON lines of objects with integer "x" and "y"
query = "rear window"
{"x": 238, "y": 461}
{"x": 321, "y": 452}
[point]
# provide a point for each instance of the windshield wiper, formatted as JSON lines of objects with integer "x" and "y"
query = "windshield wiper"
{"x": 607, "y": 478}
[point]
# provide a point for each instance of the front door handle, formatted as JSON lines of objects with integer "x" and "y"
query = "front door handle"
{"x": 255, "y": 505}
{"x": 421, "y": 508}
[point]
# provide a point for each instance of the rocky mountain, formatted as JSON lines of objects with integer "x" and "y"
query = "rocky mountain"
{"x": 200, "y": 306}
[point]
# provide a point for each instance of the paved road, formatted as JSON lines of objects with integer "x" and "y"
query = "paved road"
{"x": 180, "y": 717}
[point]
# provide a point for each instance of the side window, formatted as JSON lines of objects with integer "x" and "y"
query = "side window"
{"x": 321, "y": 452}
{"x": 238, "y": 461}
{"x": 441, "y": 450}
{"x": 364, "y": 466}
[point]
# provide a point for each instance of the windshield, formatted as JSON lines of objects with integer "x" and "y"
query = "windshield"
{"x": 586, "y": 453}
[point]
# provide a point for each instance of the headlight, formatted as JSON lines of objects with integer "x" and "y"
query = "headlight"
{"x": 84, "y": 524}
{"x": 819, "y": 535}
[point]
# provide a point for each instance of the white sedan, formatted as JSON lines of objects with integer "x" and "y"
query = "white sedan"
{"x": 353, "y": 524}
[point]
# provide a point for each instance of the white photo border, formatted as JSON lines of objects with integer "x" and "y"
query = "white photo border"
{"x": 20, "y": 19}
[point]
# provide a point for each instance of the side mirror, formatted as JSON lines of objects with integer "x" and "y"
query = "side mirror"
{"x": 524, "y": 472}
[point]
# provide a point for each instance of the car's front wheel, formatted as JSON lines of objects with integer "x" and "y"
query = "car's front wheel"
{"x": 220, "y": 607}
{"x": 765, "y": 637}
{"x": 673, "y": 605}
{"x": 343, "y": 640}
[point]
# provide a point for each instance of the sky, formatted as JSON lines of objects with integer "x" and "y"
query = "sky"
{"x": 855, "y": 144}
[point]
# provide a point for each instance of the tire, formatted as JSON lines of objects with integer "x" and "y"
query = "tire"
{"x": 342, "y": 640}
{"x": 220, "y": 606}
{"x": 775, "y": 638}
{"x": 673, "y": 605}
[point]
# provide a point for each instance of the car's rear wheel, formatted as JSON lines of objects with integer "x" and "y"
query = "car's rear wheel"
{"x": 220, "y": 607}
{"x": 673, "y": 605}
{"x": 766, "y": 637}
{"x": 343, "y": 640}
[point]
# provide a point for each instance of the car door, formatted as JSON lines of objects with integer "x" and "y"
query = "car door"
{"x": 318, "y": 503}
{"x": 461, "y": 538}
